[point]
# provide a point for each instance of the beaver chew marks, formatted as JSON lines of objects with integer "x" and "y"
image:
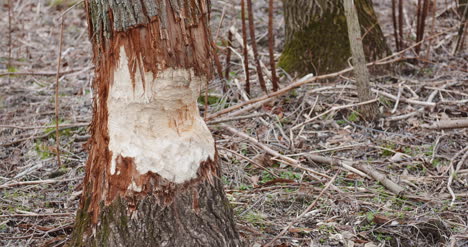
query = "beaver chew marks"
{"x": 156, "y": 121}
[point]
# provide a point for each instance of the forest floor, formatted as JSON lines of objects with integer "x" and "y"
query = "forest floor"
{"x": 304, "y": 160}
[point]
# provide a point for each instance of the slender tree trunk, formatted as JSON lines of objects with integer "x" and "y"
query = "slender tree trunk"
{"x": 152, "y": 176}
{"x": 369, "y": 111}
{"x": 317, "y": 38}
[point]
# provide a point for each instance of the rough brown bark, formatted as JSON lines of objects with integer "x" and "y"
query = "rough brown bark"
{"x": 317, "y": 39}
{"x": 155, "y": 35}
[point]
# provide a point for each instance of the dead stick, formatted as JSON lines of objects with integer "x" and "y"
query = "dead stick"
{"x": 335, "y": 108}
{"x": 271, "y": 45}
{"x": 303, "y": 213}
{"x": 389, "y": 184}
{"x": 237, "y": 118}
{"x": 245, "y": 51}
{"x": 408, "y": 101}
{"x": 228, "y": 59}
{"x": 220, "y": 23}
{"x": 400, "y": 23}
{"x": 253, "y": 41}
{"x": 219, "y": 67}
{"x": 429, "y": 47}
{"x": 300, "y": 82}
{"x": 38, "y": 215}
{"x": 418, "y": 24}
{"x": 47, "y": 181}
{"x": 290, "y": 161}
{"x": 43, "y": 127}
{"x": 346, "y": 164}
{"x": 448, "y": 124}
{"x": 57, "y": 77}
{"x": 395, "y": 25}
{"x": 10, "y": 43}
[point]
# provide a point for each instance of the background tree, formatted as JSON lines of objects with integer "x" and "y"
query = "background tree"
{"x": 152, "y": 177}
{"x": 369, "y": 111}
{"x": 317, "y": 38}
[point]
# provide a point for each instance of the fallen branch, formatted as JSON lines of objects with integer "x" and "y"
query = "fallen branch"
{"x": 454, "y": 171}
{"x": 300, "y": 82}
{"x": 335, "y": 108}
{"x": 237, "y": 118}
{"x": 44, "y": 127}
{"x": 290, "y": 161}
{"x": 381, "y": 178}
{"x": 346, "y": 164}
{"x": 409, "y": 101}
{"x": 292, "y": 86}
{"x": 448, "y": 124}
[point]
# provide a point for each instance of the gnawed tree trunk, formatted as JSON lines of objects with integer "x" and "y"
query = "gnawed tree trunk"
{"x": 317, "y": 38}
{"x": 152, "y": 176}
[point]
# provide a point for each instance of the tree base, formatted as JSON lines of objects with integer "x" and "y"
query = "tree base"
{"x": 198, "y": 216}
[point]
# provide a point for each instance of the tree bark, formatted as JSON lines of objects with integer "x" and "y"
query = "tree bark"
{"x": 317, "y": 39}
{"x": 152, "y": 176}
{"x": 368, "y": 111}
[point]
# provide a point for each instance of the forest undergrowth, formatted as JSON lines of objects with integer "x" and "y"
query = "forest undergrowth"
{"x": 302, "y": 167}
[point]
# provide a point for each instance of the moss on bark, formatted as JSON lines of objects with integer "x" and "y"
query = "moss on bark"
{"x": 319, "y": 44}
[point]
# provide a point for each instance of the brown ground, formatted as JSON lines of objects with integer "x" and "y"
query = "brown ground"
{"x": 353, "y": 211}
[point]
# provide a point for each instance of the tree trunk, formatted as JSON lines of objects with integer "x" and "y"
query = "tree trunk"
{"x": 368, "y": 111}
{"x": 317, "y": 38}
{"x": 152, "y": 176}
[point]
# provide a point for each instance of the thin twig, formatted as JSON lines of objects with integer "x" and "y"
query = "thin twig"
{"x": 245, "y": 51}
{"x": 67, "y": 10}
{"x": 434, "y": 10}
{"x": 43, "y": 127}
{"x": 395, "y": 25}
{"x": 251, "y": 161}
{"x": 422, "y": 10}
{"x": 10, "y": 43}
{"x": 237, "y": 118}
{"x": 219, "y": 67}
{"x": 57, "y": 77}
{"x": 303, "y": 213}
{"x": 36, "y": 182}
{"x": 38, "y": 215}
{"x": 271, "y": 46}
{"x": 253, "y": 41}
{"x": 287, "y": 160}
{"x": 335, "y": 108}
{"x": 228, "y": 59}
{"x": 300, "y": 82}
{"x": 453, "y": 172}
{"x": 220, "y": 23}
